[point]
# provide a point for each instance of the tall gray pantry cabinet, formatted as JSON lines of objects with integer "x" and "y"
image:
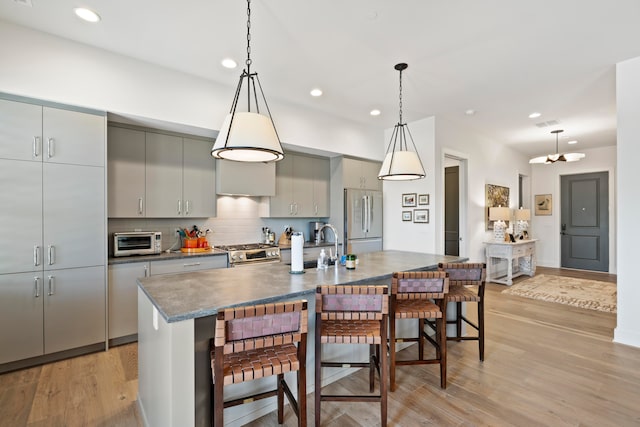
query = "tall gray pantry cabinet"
{"x": 52, "y": 228}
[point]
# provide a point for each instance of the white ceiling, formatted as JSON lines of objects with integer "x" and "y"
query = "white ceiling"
{"x": 502, "y": 58}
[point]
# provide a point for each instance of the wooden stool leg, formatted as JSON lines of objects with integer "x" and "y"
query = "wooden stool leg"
{"x": 442, "y": 344}
{"x": 481, "y": 328}
{"x": 302, "y": 384}
{"x": 280, "y": 395}
{"x": 372, "y": 366}
{"x": 318, "y": 372}
{"x": 383, "y": 379}
{"x": 458, "y": 319}
{"x": 421, "y": 339}
{"x": 218, "y": 389}
{"x": 392, "y": 353}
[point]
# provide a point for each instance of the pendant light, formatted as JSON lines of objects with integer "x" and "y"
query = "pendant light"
{"x": 400, "y": 163}
{"x": 557, "y": 157}
{"x": 248, "y": 136}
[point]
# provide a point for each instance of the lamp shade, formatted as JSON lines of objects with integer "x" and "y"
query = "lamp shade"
{"x": 523, "y": 214}
{"x": 247, "y": 137}
{"x": 499, "y": 214}
{"x": 401, "y": 166}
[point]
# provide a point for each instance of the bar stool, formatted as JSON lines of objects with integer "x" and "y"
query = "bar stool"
{"x": 352, "y": 314}
{"x": 258, "y": 341}
{"x": 419, "y": 295}
{"x": 462, "y": 277}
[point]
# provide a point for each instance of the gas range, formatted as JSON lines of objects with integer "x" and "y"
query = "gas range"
{"x": 251, "y": 253}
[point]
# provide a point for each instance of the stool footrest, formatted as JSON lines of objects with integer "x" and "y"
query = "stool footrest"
{"x": 349, "y": 398}
{"x": 252, "y": 398}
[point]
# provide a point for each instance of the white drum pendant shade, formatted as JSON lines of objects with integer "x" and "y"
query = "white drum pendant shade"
{"x": 401, "y": 166}
{"x": 251, "y": 137}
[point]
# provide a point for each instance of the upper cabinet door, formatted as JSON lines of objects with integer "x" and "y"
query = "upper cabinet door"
{"x": 303, "y": 186}
{"x": 126, "y": 172}
{"x": 321, "y": 184}
{"x": 20, "y": 131}
{"x": 73, "y": 137}
{"x": 281, "y": 205}
{"x": 163, "y": 176}
{"x": 20, "y": 216}
{"x": 198, "y": 179}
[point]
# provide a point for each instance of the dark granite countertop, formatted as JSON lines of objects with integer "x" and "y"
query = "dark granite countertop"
{"x": 198, "y": 294}
{"x": 164, "y": 256}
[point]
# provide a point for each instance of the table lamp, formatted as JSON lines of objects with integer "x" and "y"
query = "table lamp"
{"x": 522, "y": 217}
{"x": 499, "y": 215}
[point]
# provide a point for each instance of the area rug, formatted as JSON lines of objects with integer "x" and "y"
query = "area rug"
{"x": 589, "y": 294}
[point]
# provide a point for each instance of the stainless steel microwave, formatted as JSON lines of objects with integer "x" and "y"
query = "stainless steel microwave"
{"x": 137, "y": 243}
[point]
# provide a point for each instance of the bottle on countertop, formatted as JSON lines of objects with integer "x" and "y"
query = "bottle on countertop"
{"x": 322, "y": 259}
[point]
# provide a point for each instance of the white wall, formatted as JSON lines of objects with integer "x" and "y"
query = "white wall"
{"x": 487, "y": 162}
{"x": 546, "y": 180}
{"x": 409, "y": 236}
{"x": 41, "y": 66}
{"x": 628, "y": 107}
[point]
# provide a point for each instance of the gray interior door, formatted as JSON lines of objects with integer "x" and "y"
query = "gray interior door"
{"x": 452, "y": 210}
{"x": 585, "y": 221}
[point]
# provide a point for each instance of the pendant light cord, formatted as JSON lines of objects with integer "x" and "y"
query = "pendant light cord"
{"x": 400, "y": 97}
{"x": 248, "y": 61}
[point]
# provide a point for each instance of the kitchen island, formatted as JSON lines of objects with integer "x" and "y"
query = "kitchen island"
{"x": 176, "y": 319}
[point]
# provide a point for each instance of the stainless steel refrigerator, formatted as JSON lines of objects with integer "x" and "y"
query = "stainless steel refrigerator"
{"x": 362, "y": 220}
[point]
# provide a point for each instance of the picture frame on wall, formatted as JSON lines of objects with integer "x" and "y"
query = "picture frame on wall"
{"x": 423, "y": 199}
{"x": 495, "y": 196}
{"x": 543, "y": 204}
{"x": 406, "y": 216}
{"x": 421, "y": 216}
{"x": 409, "y": 200}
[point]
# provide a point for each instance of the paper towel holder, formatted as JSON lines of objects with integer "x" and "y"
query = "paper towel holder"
{"x": 297, "y": 243}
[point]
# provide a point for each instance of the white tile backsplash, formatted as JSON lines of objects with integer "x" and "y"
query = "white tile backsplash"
{"x": 238, "y": 221}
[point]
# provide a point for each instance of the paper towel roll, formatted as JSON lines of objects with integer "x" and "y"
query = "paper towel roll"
{"x": 297, "y": 258}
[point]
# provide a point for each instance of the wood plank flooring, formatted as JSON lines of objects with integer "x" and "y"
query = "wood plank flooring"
{"x": 546, "y": 364}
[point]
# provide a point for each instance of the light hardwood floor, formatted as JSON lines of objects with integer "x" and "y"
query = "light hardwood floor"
{"x": 545, "y": 364}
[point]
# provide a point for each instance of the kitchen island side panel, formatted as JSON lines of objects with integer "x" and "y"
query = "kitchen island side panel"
{"x": 166, "y": 371}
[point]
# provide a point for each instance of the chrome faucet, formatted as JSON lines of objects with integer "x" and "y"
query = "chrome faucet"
{"x": 335, "y": 234}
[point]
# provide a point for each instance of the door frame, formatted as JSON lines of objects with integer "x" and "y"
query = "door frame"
{"x": 463, "y": 160}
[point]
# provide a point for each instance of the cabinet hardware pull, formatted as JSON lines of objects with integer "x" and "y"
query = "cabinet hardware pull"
{"x": 193, "y": 264}
{"x": 50, "y": 148}
{"x": 186, "y": 207}
{"x": 146, "y": 271}
{"x": 140, "y": 205}
{"x": 52, "y": 254}
{"x": 36, "y": 281}
{"x": 36, "y": 146}
{"x": 290, "y": 208}
{"x": 316, "y": 208}
{"x": 36, "y": 255}
{"x": 51, "y": 283}
{"x": 179, "y": 206}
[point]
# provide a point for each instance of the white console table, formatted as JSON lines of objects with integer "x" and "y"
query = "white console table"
{"x": 520, "y": 257}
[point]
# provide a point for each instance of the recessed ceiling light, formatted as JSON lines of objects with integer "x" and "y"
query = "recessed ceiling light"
{"x": 316, "y": 92}
{"x": 86, "y": 14}
{"x": 229, "y": 63}
{"x": 572, "y": 142}
{"x": 534, "y": 115}
{"x": 375, "y": 112}
{"x": 470, "y": 112}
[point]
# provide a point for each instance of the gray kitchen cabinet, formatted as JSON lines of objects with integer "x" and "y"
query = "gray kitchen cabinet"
{"x": 302, "y": 187}
{"x": 126, "y": 172}
{"x": 53, "y": 228}
{"x": 22, "y": 140}
{"x": 21, "y": 316}
{"x": 157, "y": 175}
{"x": 20, "y": 216}
{"x": 245, "y": 179}
{"x": 57, "y": 135}
{"x": 73, "y": 216}
{"x": 123, "y": 298}
{"x": 74, "y": 308}
{"x": 361, "y": 174}
{"x": 184, "y": 265}
{"x": 198, "y": 179}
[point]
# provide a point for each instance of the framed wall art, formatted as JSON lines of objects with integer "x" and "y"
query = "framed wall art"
{"x": 543, "y": 203}
{"x": 406, "y": 215}
{"x": 423, "y": 199}
{"x": 495, "y": 196}
{"x": 421, "y": 216}
{"x": 409, "y": 200}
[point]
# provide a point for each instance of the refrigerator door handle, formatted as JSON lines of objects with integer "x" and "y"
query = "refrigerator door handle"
{"x": 363, "y": 210}
{"x": 368, "y": 214}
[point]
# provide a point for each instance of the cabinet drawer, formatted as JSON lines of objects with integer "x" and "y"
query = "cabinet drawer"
{"x": 499, "y": 251}
{"x": 183, "y": 265}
